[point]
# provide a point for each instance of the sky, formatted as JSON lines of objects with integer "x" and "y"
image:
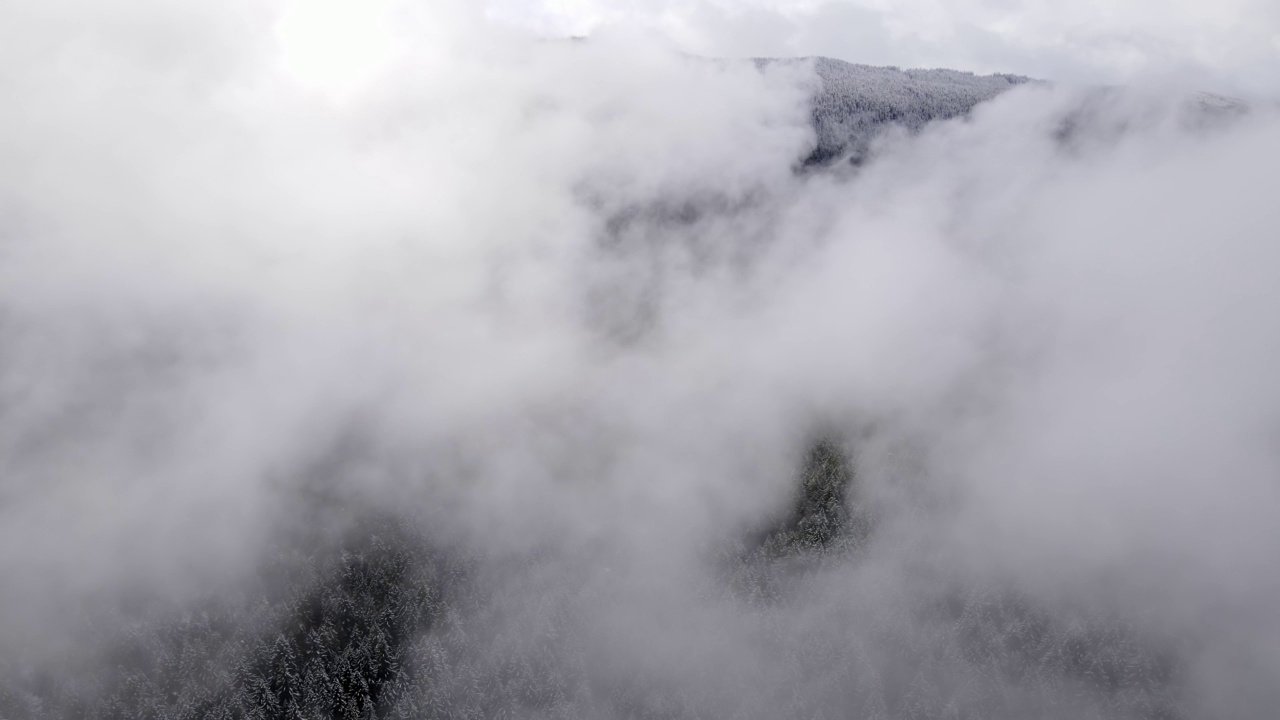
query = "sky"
{"x": 1231, "y": 45}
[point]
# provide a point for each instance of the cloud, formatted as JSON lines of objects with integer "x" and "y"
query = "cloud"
{"x": 572, "y": 303}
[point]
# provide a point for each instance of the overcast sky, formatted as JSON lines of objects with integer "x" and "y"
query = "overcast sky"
{"x": 1232, "y": 42}
{"x": 1230, "y": 46}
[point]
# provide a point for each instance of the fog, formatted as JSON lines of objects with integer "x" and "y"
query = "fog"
{"x": 575, "y": 311}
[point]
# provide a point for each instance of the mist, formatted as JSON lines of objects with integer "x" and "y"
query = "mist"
{"x": 659, "y": 418}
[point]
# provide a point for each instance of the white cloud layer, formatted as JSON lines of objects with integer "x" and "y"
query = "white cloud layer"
{"x": 574, "y": 297}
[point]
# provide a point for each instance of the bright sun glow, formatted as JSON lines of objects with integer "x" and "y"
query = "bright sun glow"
{"x": 335, "y": 46}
